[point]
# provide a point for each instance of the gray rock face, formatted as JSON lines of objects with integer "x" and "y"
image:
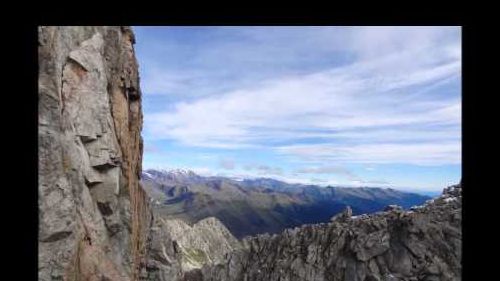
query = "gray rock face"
{"x": 164, "y": 257}
{"x": 93, "y": 214}
{"x": 422, "y": 244}
{"x": 206, "y": 242}
{"x": 178, "y": 250}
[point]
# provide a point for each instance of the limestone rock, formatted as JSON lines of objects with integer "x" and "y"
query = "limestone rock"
{"x": 94, "y": 217}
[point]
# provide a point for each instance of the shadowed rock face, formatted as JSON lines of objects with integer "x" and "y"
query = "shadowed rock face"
{"x": 421, "y": 244}
{"x": 93, "y": 214}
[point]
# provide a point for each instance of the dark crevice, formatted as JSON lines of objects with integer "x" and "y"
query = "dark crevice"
{"x": 57, "y": 236}
{"x": 87, "y": 139}
{"x": 104, "y": 166}
{"x": 87, "y": 240}
{"x": 91, "y": 183}
{"x": 104, "y": 208}
{"x": 133, "y": 94}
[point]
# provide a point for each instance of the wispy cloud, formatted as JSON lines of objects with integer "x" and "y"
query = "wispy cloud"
{"x": 351, "y": 177}
{"x": 382, "y": 100}
{"x": 263, "y": 170}
{"x": 409, "y": 153}
{"x": 309, "y": 95}
{"x": 334, "y": 170}
{"x": 227, "y": 164}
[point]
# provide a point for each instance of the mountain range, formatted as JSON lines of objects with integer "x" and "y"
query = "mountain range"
{"x": 262, "y": 205}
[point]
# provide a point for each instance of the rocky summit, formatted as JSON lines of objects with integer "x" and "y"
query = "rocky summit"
{"x": 97, "y": 223}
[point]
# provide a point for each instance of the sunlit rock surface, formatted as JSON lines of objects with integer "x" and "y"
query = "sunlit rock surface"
{"x": 93, "y": 214}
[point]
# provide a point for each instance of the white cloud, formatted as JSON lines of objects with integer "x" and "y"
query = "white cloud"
{"x": 265, "y": 170}
{"x": 410, "y": 153}
{"x": 376, "y": 41}
{"x": 328, "y": 169}
{"x": 227, "y": 164}
{"x": 376, "y": 110}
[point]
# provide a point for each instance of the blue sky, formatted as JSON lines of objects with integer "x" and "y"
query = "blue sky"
{"x": 355, "y": 106}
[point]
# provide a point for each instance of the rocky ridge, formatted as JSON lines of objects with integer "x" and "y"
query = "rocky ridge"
{"x": 421, "y": 244}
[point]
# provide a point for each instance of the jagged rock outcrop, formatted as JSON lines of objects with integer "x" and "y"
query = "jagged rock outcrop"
{"x": 343, "y": 216}
{"x": 421, "y": 244}
{"x": 164, "y": 259}
{"x": 93, "y": 214}
{"x": 179, "y": 250}
{"x": 206, "y": 242}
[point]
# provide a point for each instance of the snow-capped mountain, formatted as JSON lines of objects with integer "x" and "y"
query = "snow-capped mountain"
{"x": 173, "y": 176}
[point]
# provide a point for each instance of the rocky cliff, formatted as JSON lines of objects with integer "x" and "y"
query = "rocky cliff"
{"x": 93, "y": 214}
{"x": 421, "y": 244}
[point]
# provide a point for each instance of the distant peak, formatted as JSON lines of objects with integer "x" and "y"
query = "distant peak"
{"x": 177, "y": 171}
{"x": 180, "y": 171}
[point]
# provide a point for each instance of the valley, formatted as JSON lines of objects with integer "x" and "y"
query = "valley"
{"x": 254, "y": 206}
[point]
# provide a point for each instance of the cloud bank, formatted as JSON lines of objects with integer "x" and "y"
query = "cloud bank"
{"x": 382, "y": 108}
